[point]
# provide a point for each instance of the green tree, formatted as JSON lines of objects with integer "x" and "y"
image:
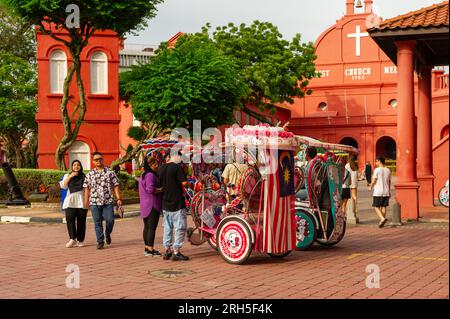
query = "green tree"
{"x": 192, "y": 81}
{"x": 17, "y": 106}
{"x": 275, "y": 70}
{"x": 94, "y": 15}
{"x": 17, "y": 36}
{"x": 18, "y": 56}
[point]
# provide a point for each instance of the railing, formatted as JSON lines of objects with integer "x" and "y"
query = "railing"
{"x": 441, "y": 82}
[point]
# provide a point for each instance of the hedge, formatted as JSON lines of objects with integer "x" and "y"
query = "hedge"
{"x": 46, "y": 177}
{"x": 30, "y": 180}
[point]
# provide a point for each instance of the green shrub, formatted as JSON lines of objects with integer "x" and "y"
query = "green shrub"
{"x": 30, "y": 180}
{"x": 46, "y": 177}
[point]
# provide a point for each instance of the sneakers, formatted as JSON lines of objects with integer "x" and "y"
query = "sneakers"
{"x": 152, "y": 253}
{"x": 179, "y": 256}
{"x": 167, "y": 255}
{"x": 108, "y": 240}
{"x": 71, "y": 243}
{"x": 100, "y": 245}
{"x": 80, "y": 244}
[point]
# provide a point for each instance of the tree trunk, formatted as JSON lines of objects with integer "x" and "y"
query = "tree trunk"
{"x": 19, "y": 157}
{"x": 128, "y": 157}
{"x": 69, "y": 133}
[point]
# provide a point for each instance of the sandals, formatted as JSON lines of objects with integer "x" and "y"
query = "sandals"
{"x": 381, "y": 224}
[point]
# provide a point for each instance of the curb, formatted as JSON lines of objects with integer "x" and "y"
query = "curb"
{"x": 62, "y": 220}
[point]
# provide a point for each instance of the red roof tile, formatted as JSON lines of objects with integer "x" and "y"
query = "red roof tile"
{"x": 432, "y": 16}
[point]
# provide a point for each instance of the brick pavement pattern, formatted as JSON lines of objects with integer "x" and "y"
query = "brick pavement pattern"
{"x": 413, "y": 263}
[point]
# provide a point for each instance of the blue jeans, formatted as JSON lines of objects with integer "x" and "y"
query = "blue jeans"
{"x": 174, "y": 221}
{"x": 100, "y": 213}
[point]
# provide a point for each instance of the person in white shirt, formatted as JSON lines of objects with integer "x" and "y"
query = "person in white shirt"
{"x": 381, "y": 186}
{"x": 74, "y": 204}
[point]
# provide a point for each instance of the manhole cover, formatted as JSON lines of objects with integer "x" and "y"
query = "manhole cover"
{"x": 170, "y": 273}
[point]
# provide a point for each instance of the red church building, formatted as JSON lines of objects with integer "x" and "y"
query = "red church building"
{"x": 355, "y": 100}
{"x": 100, "y": 71}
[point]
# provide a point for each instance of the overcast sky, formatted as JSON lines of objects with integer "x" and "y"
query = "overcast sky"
{"x": 308, "y": 17}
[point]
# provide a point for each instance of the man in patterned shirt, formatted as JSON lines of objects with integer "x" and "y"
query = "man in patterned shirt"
{"x": 99, "y": 185}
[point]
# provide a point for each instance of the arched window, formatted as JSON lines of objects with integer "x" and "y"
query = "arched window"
{"x": 323, "y": 106}
{"x": 444, "y": 132}
{"x": 393, "y": 103}
{"x": 99, "y": 73}
{"x": 80, "y": 151}
{"x": 58, "y": 71}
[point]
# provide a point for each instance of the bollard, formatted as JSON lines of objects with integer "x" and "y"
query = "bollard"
{"x": 15, "y": 196}
{"x": 396, "y": 215}
{"x": 351, "y": 212}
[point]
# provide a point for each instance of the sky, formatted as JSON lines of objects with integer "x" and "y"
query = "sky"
{"x": 307, "y": 17}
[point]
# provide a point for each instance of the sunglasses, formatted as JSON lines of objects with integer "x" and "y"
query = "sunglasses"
{"x": 98, "y": 159}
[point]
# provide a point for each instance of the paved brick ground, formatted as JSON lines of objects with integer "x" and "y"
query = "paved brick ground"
{"x": 413, "y": 262}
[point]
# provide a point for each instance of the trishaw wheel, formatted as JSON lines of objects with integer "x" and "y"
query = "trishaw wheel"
{"x": 306, "y": 229}
{"x": 279, "y": 255}
{"x": 234, "y": 240}
{"x": 443, "y": 196}
{"x": 212, "y": 242}
{"x": 328, "y": 243}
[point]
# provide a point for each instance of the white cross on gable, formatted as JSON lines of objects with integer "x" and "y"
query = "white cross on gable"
{"x": 358, "y": 35}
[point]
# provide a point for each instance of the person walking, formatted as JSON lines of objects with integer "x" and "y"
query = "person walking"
{"x": 74, "y": 205}
{"x": 99, "y": 185}
{"x": 368, "y": 173}
{"x": 172, "y": 179}
{"x": 352, "y": 166}
{"x": 346, "y": 185}
{"x": 150, "y": 200}
{"x": 381, "y": 186}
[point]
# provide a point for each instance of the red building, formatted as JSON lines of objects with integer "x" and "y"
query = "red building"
{"x": 100, "y": 71}
{"x": 355, "y": 100}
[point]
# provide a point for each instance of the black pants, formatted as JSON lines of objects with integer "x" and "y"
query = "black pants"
{"x": 76, "y": 223}
{"x": 150, "y": 224}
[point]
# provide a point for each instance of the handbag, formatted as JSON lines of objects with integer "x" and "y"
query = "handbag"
{"x": 119, "y": 212}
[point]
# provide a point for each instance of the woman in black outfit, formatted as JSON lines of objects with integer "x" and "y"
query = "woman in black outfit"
{"x": 74, "y": 204}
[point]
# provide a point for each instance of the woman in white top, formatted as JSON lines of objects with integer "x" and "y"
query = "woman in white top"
{"x": 73, "y": 205}
{"x": 352, "y": 167}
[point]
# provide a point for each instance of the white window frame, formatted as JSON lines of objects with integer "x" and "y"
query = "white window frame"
{"x": 58, "y": 71}
{"x": 99, "y": 73}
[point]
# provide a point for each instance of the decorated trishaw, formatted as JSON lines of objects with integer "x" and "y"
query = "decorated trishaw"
{"x": 320, "y": 217}
{"x": 264, "y": 216}
{"x": 261, "y": 217}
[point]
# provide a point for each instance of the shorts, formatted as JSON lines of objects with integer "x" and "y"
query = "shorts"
{"x": 380, "y": 201}
{"x": 346, "y": 193}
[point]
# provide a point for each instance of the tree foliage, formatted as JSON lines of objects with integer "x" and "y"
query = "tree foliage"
{"x": 17, "y": 36}
{"x": 17, "y": 105}
{"x": 95, "y": 15}
{"x": 274, "y": 70}
{"x": 193, "y": 81}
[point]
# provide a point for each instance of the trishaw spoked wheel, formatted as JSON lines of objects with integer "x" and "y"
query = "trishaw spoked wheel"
{"x": 234, "y": 240}
{"x": 443, "y": 196}
{"x": 279, "y": 255}
{"x": 306, "y": 230}
{"x": 212, "y": 242}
